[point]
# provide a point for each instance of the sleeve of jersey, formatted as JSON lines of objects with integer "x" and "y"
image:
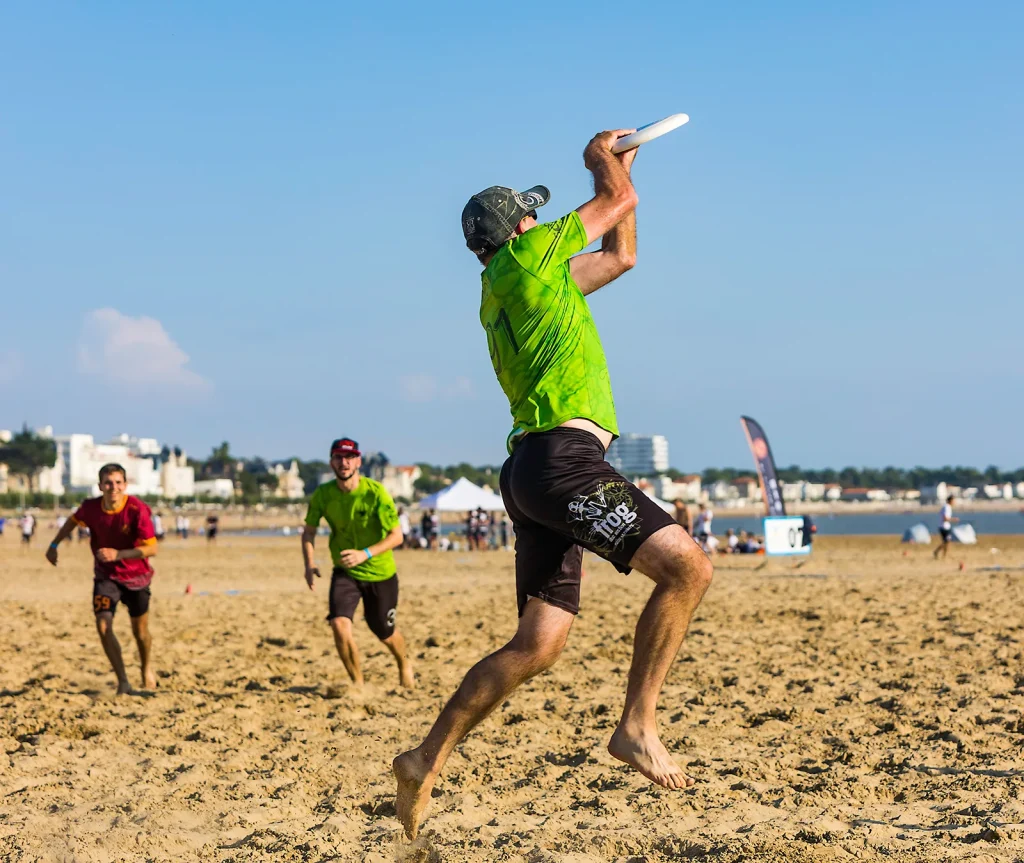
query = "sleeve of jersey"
{"x": 79, "y": 517}
{"x": 543, "y": 248}
{"x": 386, "y": 511}
{"x": 145, "y": 535}
{"x": 314, "y": 513}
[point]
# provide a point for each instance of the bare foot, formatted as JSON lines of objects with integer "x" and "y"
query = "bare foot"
{"x": 406, "y": 677}
{"x": 414, "y": 784}
{"x": 124, "y": 688}
{"x": 149, "y": 679}
{"x": 646, "y": 753}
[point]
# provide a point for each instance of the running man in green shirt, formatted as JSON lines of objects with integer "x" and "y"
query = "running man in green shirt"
{"x": 561, "y": 493}
{"x": 364, "y": 528}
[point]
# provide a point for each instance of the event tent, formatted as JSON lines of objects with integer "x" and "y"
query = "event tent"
{"x": 918, "y": 534}
{"x": 965, "y": 533}
{"x": 462, "y": 496}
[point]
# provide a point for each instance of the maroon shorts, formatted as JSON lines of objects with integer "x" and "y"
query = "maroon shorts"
{"x": 564, "y": 497}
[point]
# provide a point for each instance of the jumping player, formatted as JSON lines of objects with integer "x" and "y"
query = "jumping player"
{"x": 122, "y": 539}
{"x": 560, "y": 492}
{"x": 364, "y": 528}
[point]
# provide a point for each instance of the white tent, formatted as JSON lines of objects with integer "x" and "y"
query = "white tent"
{"x": 965, "y": 533}
{"x": 917, "y": 534}
{"x": 462, "y": 496}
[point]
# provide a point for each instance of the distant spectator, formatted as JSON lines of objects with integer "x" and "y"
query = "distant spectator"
{"x": 3, "y": 521}
{"x": 212, "y": 526}
{"x": 702, "y": 529}
{"x": 404, "y": 523}
{"x": 683, "y": 517}
{"x": 425, "y": 528}
{"x": 504, "y": 530}
{"x": 28, "y": 527}
{"x": 158, "y": 526}
{"x": 946, "y": 522}
{"x": 731, "y": 541}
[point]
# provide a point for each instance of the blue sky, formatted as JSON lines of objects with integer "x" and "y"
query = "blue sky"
{"x": 241, "y": 221}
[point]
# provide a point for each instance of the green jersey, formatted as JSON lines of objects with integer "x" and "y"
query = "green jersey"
{"x": 543, "y": 343}
{"x": 358, "y": 519}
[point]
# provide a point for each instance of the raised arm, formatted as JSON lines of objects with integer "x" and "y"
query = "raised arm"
{"x": 594, "y": 270}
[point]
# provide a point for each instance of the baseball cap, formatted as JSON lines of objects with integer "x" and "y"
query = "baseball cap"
{"x": 346, "y": 446}
{"x": 491, "y": 216}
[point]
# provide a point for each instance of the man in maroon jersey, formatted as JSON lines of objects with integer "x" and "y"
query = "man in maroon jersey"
{"x": 122, "y": 540}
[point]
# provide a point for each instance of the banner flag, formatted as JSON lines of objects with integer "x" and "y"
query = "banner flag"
{"x": 765, "y": 466}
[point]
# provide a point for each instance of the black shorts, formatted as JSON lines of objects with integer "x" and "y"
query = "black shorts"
{"x": 946, "y": 533}
{"x": 211, "y": 533}
{"x": 106, "y": 594}
{"x": 380, "y": 601}
{"x": 563, "y": 497}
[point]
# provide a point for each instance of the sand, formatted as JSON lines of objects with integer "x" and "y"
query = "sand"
{"x": 867, "y": 705}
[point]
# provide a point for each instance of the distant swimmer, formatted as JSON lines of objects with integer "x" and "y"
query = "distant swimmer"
{"x": 946, "y": 522}
{"x": 560, "y": 492}
{"x": 122, "y": 538}
{"x": 364, "y": 529}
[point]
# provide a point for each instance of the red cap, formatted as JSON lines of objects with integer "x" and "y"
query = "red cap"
{"x": 346, "y": 446}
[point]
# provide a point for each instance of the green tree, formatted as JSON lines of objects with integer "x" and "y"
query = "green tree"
{"x": 26, "y": 453}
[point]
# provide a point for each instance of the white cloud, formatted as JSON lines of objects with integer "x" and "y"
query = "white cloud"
{"x": 11, "y": 365}
{"x": 426, "y": 388}
{"x": 134, "y": 351}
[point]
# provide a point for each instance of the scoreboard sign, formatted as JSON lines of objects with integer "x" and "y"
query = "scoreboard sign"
{"x": 785, "y": 535}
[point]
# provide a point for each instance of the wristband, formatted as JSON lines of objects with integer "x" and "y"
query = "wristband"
{"x": 368, "y": 553}
{"x": 53, "y": 545}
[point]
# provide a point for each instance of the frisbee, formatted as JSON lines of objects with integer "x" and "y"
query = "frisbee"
{"x": 649, "y": 132}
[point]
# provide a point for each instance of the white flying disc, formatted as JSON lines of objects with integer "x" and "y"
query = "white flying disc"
{"x": 649, "y": 132}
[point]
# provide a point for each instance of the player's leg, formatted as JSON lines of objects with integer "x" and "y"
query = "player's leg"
{"x": 380, "y": 606}
{"x": 104, "y": 603}
{"x": 137, "y": 603}
{"x": 681, "y": 573}
{"x": 344, "y": 599}
{"x": 538, "y": 641}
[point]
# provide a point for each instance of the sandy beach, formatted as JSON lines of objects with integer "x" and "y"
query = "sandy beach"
{"x": 866, "y": 705}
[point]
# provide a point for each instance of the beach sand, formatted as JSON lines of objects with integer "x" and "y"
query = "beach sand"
{"x": 865, "y": 705}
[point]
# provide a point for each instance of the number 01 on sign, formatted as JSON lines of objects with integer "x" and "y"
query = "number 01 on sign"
{"x": 786, "y": 535}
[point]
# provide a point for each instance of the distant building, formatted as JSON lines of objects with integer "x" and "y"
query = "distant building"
{"x": 222, "y": 488}
{"x": 938, "y": 493}
{"x": 747, "y": 488}
{"x": 865, "y": 494}
{"x": 998, "y": 491}
{"x": 400, "y": 480}
{"x": 639, "y": 455}
{"x": 833, "y": 491}
{"x": 177, "y": 477}
{"x": 686, "y": 488}
{"x": 289, "y": 482}
{"x": 722, "y": 491}
{"x": 1019, "y": 489}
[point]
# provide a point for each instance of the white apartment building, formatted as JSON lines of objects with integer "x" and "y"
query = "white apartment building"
{"x": 639, "y": 455}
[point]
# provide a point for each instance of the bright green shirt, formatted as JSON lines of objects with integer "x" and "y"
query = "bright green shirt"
{"x": 540, "y": 334}
{"x": 358, "y": 519}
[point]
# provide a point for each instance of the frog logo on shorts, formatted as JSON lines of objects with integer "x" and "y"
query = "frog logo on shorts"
{"x": 603, "y": 520}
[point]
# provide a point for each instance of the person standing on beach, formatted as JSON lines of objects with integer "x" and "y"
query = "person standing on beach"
{"x": 122, "y": 538}
{"x": 946, "y": 522}
{"x": 561, "y": 493}
{"x": 702, "y": 529}
{"x": 682, "y": 515}
{"x": 364, "y": 529}
{"x": 28, "y": 528}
